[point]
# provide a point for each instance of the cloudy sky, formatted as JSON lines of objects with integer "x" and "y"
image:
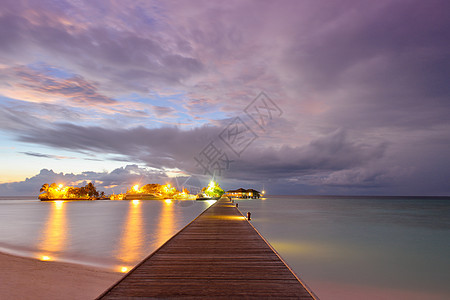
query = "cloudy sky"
{"x": 301, "y": 97}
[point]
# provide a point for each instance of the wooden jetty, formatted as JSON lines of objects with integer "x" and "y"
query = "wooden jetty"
{"x": 219, "y": 255}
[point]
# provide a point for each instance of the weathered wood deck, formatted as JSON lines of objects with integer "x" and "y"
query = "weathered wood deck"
{"x": 218, "y": 255}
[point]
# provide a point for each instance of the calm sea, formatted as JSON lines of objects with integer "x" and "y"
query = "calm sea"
{"x": 342, "y": 247}
{"x": 361, "y": 247}
{"x": 114, "y": 235}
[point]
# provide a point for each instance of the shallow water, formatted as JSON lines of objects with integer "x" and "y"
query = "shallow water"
{"x": 361, "y": 247}
{"x": 110, "y": 234}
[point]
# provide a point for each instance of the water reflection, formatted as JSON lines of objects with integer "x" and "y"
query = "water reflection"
{"x": 91, "y": 232}
{"x": 132, "y": 239}
{"x": 54, "y": 239}
{"x": 210, "y": 202}
{"x": 166, "y": 225}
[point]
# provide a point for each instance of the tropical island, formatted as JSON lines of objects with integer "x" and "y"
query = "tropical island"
{"x": 154, "y": 191}
{"x": 151, "y": 191}
{"x": 60, "y": 192}
{"x": 212, "y": 191}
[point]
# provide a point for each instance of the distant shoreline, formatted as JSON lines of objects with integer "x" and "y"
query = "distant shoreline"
{"x": 340, "y": 196}
{"x": 70, "y": 199}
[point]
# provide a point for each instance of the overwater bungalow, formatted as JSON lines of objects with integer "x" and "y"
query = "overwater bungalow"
{"x": 242, "y": 193}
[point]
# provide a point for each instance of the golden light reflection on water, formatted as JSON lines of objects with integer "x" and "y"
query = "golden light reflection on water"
{"x": 311, "y": 250}
{"x": 132, "y": 239}
{"x": 166, "y": 225}
{"x": 131, "y": 248}
{"x": 211, "y": 202}
{"x": 54, "y": 238}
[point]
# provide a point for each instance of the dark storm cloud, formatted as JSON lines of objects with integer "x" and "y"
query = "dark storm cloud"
{"x": 172, "y": 147}
{"x": 329, "y": 153}
{"x": 160, "y": 147}
{"x": 390, "y": 62}
{"x": 413, "y": 33}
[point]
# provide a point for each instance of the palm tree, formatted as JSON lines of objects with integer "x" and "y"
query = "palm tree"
{"x": 44, "y": 188}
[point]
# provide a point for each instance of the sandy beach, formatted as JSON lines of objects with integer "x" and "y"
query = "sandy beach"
{"x": 26, "y": 278}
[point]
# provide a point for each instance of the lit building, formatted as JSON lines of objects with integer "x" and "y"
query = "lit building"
{"x": 243, "y": 193}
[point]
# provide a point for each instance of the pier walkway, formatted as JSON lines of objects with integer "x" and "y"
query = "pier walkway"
{"x": 218, "y": 255}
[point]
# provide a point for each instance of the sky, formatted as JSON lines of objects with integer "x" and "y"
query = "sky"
{"x": 296, "y": 97}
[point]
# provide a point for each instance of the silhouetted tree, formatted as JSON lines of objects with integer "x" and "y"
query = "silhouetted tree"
{"x": 91, "y": 190}
{"x": 44, "y": 188}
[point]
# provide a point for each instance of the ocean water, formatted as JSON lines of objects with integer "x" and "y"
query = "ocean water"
{"x": 341, "y": 247}
{"x": 113, "y": 235}
{"x": 360, "y": 247}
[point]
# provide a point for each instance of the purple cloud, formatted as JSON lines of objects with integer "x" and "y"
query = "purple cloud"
{"x": 362, "y": 85}
{"x": 74, "y": 89}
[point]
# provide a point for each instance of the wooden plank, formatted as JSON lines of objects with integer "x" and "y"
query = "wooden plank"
{"x": 218, "y": 255}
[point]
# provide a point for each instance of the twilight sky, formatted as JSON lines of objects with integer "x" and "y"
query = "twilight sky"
{"x": 355, "y": 94}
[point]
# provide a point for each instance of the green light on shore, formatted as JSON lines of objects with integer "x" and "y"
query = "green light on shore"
{"x": 214, "y": 190}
